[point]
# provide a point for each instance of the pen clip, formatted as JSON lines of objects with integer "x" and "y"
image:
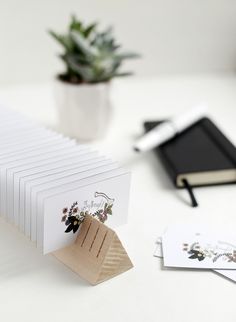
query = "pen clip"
{"x": 190, "y": 191}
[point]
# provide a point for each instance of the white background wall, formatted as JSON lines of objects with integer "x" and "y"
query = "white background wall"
{"x": 174, "y": 36}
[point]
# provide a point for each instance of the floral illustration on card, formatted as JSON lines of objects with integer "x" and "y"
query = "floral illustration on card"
{"x": 221, "y": 251}
{"x": 100, "y": 208}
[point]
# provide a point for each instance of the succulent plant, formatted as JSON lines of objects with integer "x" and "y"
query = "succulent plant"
{"x": 90, "y": 56}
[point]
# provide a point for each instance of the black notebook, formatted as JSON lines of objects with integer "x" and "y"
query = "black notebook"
{"x": 199, "y": 156}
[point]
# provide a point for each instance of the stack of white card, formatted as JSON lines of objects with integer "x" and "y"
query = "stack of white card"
{"x": 48, "y": 181}
{"x": 198, "y": 247}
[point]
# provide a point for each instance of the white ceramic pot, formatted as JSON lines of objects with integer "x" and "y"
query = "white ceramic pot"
{"x": 84, "y": 110}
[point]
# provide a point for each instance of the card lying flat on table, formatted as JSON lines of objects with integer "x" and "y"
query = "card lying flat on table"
{"x": 48, "y": 183}
{"x": 198, "y": 247}
{"x": 229, "y": 273}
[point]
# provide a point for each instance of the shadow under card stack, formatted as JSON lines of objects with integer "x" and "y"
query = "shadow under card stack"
{"x": 49, "y": 183}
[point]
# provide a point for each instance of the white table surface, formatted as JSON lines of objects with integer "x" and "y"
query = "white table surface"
{"x": 39, "y": 288}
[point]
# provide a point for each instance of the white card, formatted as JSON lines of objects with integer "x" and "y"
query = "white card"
{"x": 105, "y": 175}
{"x": 20, "y": 144}
{"x": 42, "y": 183}
{"x": 11, "y": 128}
{"x": 92, "y": 199}
{"x": 17, "y": 149}
{"x": 52, "y": 164}
{"x": 229, "y": 273}
{"x": 51, "y": 188}
{"x": 195, "y": 246}
{"x": 24, "y": 135}
{"x": 48, "y": 156}
{"x": 17, "y": 174}
{"x": 26, "y": 158}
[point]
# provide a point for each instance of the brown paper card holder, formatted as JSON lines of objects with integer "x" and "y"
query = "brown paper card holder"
{"x": 97, "y": 254}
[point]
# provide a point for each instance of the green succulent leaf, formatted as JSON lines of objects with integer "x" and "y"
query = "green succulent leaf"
{"x": 84, "y": 71}
{"x": 89, "y": 30}
{"x": 65, "y": 41}
{"x": 122, "y": 74}
{"x": 83, "y": 44}
{"x": 75, "y": 24}
{"x": 123, "y": 56}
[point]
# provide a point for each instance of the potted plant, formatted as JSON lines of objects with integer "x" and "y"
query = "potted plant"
{"x": 92, "y": 59}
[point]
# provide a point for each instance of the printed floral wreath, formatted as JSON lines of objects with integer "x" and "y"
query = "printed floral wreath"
{"x": 73, "y": 217}
{"x": 197, "y": 252}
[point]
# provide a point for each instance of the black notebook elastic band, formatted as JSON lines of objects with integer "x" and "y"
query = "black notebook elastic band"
{"x": 190, "y": 191}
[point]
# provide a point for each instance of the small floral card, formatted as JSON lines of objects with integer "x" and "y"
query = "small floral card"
{"x": 105, "y": 200}
{"x": 194, "y": 246}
